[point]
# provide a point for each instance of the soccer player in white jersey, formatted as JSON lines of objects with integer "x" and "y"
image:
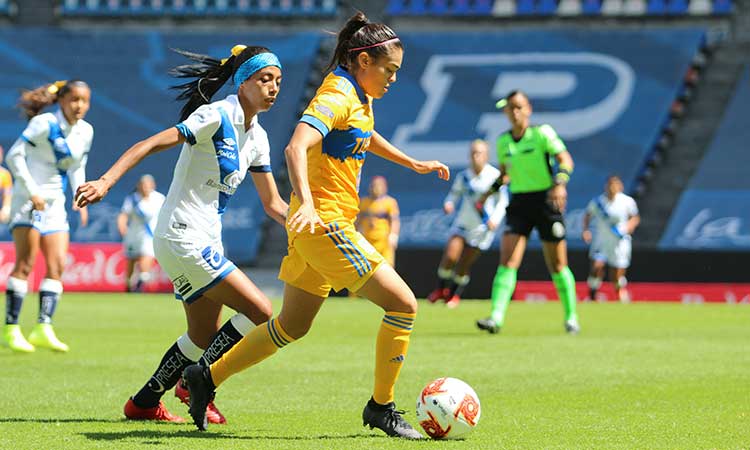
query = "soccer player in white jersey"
{"x": 615, "y": 217}
{"x": 221, "y": 142}
{"x": 473, "y": 229}
{"x": 50, "y": 154}
{"x": 136, "y": 223}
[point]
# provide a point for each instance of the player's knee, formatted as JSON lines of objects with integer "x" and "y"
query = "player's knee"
{"x": 407, "y": 303}
{"x": 23, "y": 268}
{"x": 298, "y": 330}
{"x": 264, "y": 312}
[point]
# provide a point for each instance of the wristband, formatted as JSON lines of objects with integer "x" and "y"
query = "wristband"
{"x": 496, "y": 185}
{"x": 563, "y": 174}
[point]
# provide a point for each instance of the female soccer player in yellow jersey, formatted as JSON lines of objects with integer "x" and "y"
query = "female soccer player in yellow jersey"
{"x": 378, "y": 219}
{"x": 324, "y": 156}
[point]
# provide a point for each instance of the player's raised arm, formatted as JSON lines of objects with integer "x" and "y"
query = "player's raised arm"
{"x": 93, "y": 191}
{"x": 381, "y": 147}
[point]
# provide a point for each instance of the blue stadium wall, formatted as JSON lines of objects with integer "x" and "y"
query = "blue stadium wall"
{"x": 607, "y": 93}
{"x": 131, "y": 100}
{"x": 713, "y": 213}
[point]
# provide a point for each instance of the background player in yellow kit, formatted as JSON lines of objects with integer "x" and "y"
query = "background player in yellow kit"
{"x": 379, "y": 219}
{"x": 325, "y": 157}
{"x": 6, "y": 185}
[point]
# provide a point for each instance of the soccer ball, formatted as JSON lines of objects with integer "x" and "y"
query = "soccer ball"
{"x": 448, "y": 408}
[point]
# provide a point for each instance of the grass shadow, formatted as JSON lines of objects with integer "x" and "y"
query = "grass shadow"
{"x": 60, "y": 420}
{"x": 156, "y": 436}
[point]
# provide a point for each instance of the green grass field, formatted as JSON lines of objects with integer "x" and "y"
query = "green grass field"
{"x": 640, "y": 376}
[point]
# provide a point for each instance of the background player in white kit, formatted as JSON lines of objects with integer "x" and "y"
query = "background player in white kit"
{"x": 615, "y": 216}
{"x": 50, "y": 154}
{"x": 473, "y": 230}
{"x": 136, "y": 224}
{"x": 221, "y": 142}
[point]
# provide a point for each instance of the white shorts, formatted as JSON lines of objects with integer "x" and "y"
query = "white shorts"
{"x": 478, "y": 237}
{"x": 137, "y": 247}
{"x": 595, "y": 251}
{"x": 53, "y": 219}
{"x": 617, "y": 252}
{"x": 193, "y": 267}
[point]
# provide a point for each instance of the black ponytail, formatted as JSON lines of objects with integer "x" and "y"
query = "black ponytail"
{"x": 359, "y": 32}
{"x": 209, "y": 75}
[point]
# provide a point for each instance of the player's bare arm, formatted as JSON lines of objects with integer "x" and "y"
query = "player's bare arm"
{"x": 94, "y": 191}
{"x": 273, "y": 204}
{"x": 295, "y": 152}
{"x": 381, "y": 147}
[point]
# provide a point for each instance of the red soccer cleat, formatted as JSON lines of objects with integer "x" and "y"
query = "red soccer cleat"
{"x": 212, "y": 412}
{"x": 160, "y": 413}
{"x": 437, "y": 294}
{"x": 453, "y": 302}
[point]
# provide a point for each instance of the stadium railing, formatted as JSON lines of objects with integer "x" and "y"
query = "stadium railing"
{"x": 187, "y": 8}
{"x": 572, "y": 8}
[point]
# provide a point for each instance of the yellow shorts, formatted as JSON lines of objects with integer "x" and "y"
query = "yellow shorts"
{"x": 336, "y": 257}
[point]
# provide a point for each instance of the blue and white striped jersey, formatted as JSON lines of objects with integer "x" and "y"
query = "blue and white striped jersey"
{"x": 467, "y": 188}
{"x": 212, "y": 164}
{"x": 142, "y": 215}
{"x": 50, "y": 154}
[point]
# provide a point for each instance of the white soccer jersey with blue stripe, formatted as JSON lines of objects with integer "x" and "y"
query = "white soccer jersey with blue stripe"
{"x": 142, "y": 215}
{"x": 467, "y": 188}
{"x": 611, "y": 217}
{"x": 212, "y": 164}
{"x": 49, "y": 155}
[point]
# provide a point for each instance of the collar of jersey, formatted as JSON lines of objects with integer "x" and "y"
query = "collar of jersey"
{"x": 62, "y": 121}
{"x": 341, "y": 72}
{"x": 238, "y": 115}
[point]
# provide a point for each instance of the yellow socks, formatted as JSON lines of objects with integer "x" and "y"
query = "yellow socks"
{"x": 257, "y": 345}
{"x": 390, "y": 352}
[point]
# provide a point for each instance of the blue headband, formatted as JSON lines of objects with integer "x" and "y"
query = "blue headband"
{"x": 254, "y": 64}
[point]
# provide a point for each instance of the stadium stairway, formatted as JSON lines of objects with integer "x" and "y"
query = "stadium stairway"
{"x": 694, "y": 132}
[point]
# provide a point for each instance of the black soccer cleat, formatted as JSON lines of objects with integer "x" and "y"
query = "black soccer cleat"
{"x": 488, "y": 325}
{"x": 388, "y": 419}
{"x": 197, "y": 380}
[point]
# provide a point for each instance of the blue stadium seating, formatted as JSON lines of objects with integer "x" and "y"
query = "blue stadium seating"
{"x": 128, "y": 75}
{"x": 591, "y": 7}
{"x": 713, "y": 211}
{"x": 445, "y": 96}
{"x": 198, "y": 7}
{"x": 547, "y": 7}
{"x": 439, "y": 7}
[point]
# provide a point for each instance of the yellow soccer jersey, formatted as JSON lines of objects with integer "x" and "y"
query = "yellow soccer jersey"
{"x": 6, "y": 181}
{"x": 342, "y": 113}
{"x": 375, "y": 218}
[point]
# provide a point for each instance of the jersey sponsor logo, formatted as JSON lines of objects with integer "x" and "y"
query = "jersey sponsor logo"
{"x": 221, "y": 187}
{"x": 233, "y": 179}
{"x": 226, "y": 152}
{"x": 542, "y": 75}
{"x": 182, "y": 285}
{"x": 213, "y": 257}
{"x": 326, "y": 111}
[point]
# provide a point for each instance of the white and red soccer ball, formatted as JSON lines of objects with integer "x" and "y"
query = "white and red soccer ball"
{"x": 448, "y": 408}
